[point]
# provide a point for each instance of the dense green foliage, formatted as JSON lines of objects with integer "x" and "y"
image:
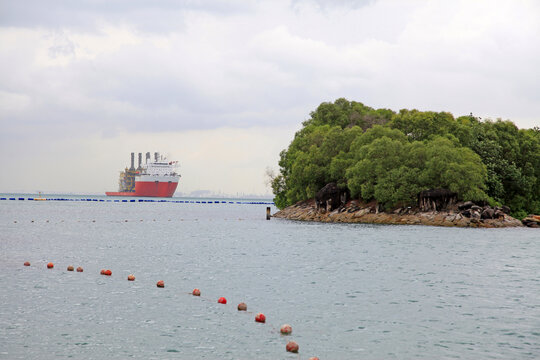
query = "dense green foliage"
{"x": 390, "y": 157}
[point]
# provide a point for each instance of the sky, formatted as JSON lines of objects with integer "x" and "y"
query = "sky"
{"x": 222, "y": 86}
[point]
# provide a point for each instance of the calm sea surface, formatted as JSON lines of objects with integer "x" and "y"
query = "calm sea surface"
{"x": 349, "y": 291}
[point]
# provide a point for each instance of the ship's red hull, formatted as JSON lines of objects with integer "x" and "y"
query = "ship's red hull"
{"x": 149, "y": 189}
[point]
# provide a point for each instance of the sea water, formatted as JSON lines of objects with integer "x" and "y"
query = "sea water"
{"x": 350, "y": 291}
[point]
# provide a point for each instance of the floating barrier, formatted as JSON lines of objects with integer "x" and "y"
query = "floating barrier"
{"x": 285, "y": 329}
{"x": 292, "y": 347}
{"x": 260, "y": 318}
{"x": 142, "y": 200}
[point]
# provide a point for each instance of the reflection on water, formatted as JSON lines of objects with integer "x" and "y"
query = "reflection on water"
{"x": 349, "y": 291}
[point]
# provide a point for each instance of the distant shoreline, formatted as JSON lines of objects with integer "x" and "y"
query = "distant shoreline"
{"x": 353, "y": 212}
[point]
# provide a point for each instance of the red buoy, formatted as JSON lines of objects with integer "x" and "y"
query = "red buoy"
{"x": 131, "y": 277}
{"x": 79, "y": 269}
{"x": 314, "y": 358}
{"x": 70, "y": 268}
{"x": 50, "y": 265}
{"x": 222, "y": 300}
{"x": 196, "y": 292}
{"x": 286, "y": 329}
{"x": 292, "y": 347}
{"x": 26, "y": 263}
{"x": 160, "y": 283}
{"x": 242, "y": 307}
{"x": 106, "y": 272}
{"x": 260, "y": 318}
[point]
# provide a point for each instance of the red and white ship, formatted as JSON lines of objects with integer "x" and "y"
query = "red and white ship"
{"x": 156, "y": 178}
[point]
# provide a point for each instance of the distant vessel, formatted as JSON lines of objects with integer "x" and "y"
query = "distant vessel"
{"x": 156, "y": 178}
{"x": 39, "y": 198}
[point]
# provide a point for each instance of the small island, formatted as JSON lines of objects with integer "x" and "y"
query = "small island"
{"x": 353, "y": 163}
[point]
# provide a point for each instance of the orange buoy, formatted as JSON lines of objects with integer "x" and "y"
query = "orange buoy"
{"x": 313, "y": 358}
{"x": 70, "y": 268}
{"x": 50, "y": 265}
{"x": 222, "y": 300}
{"x": 242, "y": 307}
{"x": 79, "y": 269}
{"x": 26, "y": 263}
{"x": 160, "y": 283}
{"x": 131, "y": 277}
{"x": 196, "y": 292}
{"x": 286, "y": 329}
{"x": 292, "y": 347}
{"x": 260, "y": 318}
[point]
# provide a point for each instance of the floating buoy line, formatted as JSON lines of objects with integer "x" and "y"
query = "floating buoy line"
{"x": 285, "y": 329}
{"x": 141, "y": 200}
{"x": 94, "y": 221}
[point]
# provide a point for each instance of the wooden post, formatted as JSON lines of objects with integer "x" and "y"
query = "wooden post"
{"x": 268, "y": 213}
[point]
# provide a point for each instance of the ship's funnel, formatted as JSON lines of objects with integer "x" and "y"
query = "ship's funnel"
{"x": 132, "y": 161}
{"x": 140, "y": 161}
{"x": 156, "y": 156}
{"x": 147, "y": 157}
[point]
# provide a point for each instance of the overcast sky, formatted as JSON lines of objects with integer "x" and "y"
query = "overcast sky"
{"x": 222, "y": 86}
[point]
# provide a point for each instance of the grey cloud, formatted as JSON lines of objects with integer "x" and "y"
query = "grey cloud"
{"x": 326, "y": 4}
{"x": 153, "y": 16}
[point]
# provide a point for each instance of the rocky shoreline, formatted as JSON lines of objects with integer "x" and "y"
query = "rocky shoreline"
{"x": 356, "y": 212}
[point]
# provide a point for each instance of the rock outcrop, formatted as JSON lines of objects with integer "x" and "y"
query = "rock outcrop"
{"x": 356, "y": 212}
{"x": 473, "y": 211}
{"x": 532, "y": 221}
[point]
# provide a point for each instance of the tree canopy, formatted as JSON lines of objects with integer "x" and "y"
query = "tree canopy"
{"x": 389, "y": 157}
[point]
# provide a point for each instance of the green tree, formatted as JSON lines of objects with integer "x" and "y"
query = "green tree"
{"x": 393, "y": 171}
{"x": 344, "y": 113}
{"x": 512, "y": 159}
{"x": 420, "y": 125}
{"x": 455, "y": 168}
{"x": 306, "y": 165}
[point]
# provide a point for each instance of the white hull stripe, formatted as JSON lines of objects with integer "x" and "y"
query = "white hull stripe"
{"x": 154, "y": 178}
